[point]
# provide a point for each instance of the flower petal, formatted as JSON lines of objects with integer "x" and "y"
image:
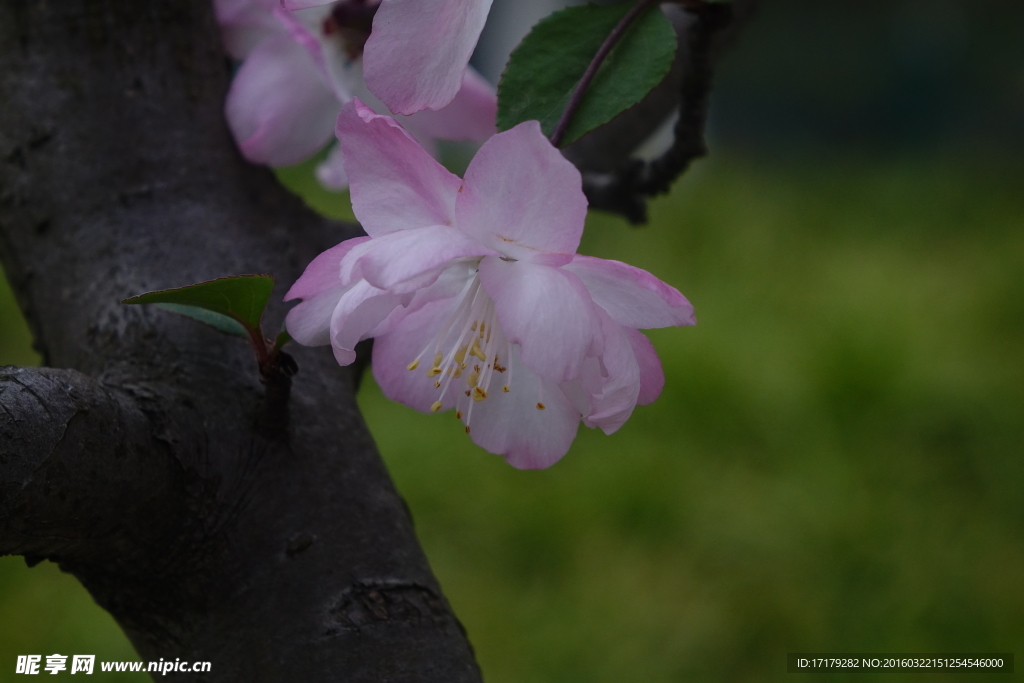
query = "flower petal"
{"x": 279, "y": 108}
{"x": 394, "y": 350}
{"x": 418, "y": 50}
{"x": 331, "y": 171}
{"x": 470, "y": 116}
{"x": 631, "y": 296}
{"x": 652, "y": 376}
{"x": 245, "y": 23}
{"x": 523, "y": 198}
{"x": 360, "y": 309}
{"x": 399, "y": 256}
{"x": 619, "y": 380}
{"x": 309, "y": 323}
{"x": 513, "y": 424}
{"x": 323, "y": 272}
{"x": 544, "y": 310}
{"x": 395, "y": 184}
{"x": 291, "y": 5}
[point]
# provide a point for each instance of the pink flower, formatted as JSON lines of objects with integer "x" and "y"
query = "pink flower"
{"x": 475, "y": 296}
{"x": 418, "y": 49}
{"x": 301, "y": 67}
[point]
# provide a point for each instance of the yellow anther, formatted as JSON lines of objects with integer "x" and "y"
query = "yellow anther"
{"x": 474, "y": 379}
{"x": 437, "y": 360}
{"x": 413, "y": 365}
{"x": 477, "y": 351}
{"x": 541, "y": 406}
{"x": 435, "y": 406}
{"x": 505, "y": 388}
{"x": 460, "y": 355}
{"x": 434, "y": 372}
{"x": 479, "y": 394}
{"x": 458, "y": 371}
{"x": 474, "y": 326}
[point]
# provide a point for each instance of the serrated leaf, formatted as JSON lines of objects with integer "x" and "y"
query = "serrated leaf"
{"x": 221, "y": 302}
{"x": 543, "y": 71}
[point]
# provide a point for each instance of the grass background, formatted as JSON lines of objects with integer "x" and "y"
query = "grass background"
{"x": 835, "y": 464}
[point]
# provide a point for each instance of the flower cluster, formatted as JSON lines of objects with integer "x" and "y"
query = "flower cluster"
{"x": 300, "y": 67}
{"x": 476, "y": 297}
{"x": 471, "y": 287}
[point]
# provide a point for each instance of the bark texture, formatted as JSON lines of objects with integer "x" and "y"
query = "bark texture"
{"x": 149, "y": 466}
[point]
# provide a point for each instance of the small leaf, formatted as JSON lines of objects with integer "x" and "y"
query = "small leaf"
{"x": 221, "y": 322}
{"x": 544, "y": 70}
{"x": 231, "y": 304}
{"x": 282, "y": 339}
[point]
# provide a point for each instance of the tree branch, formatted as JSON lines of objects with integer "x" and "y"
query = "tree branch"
{"x": 149, "y": 470}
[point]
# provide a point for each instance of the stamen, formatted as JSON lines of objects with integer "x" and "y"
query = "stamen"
{"x": 413, "y": 365}
{"x": 436, "y": 406}
{"x": 541, "y": 406}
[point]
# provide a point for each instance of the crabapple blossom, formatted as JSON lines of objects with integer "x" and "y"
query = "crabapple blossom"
{"x": 418, "y": 49}
{"x": 299, "y": 69}
{"x": 475, "y": 294}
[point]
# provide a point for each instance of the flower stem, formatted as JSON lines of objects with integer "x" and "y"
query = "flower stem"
{"x": 606, "y": 47}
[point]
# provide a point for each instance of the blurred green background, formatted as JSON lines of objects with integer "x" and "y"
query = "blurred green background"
{"x": 835, "y": 464}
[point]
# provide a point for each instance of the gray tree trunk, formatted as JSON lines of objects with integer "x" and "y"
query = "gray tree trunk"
{"x": 155, "y": 466}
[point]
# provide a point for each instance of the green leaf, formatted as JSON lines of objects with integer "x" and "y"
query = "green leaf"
{"x": 231, "y": 304}
{"x": 221, "y": 322}
{"x": 282, "y": 338}
{"x": 543, "y": 71}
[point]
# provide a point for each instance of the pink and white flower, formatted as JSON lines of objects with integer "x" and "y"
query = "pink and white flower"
{"x": 418, "y": 49}
{"x": 476, "y": 297}
{"x": 301, "y": 67}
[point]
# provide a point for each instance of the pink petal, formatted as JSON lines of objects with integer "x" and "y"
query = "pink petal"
{"x": 245, "y": 23}
{"x": 331, "y": 171}
{"x": 292, "y": 5}
{"x": 320, "y": 287}
{"x": 450, "y": 283}
{"x": 544, "y": 310}
{"x": 397, "y": 257}
{"x": 631, "y": 296}
{"x": 618, "y": 381}
{"x": 309, "y": 323}
{"x": 511, "y": 424}
{"x": 470, "y": 116}
{"x": 418, "y": 50}
{"x": 652, "y": 377}
{"x": 521, "y": 197}
{"x": 278, "y": 108}
{"x": 394, "y": 350}
{"x": 360, "y": 309}
{"x": 395, "y": 184}
{"x": 324, "y": 271}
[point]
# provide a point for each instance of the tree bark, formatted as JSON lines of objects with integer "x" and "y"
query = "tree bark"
{"x": 153, "y": 466}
